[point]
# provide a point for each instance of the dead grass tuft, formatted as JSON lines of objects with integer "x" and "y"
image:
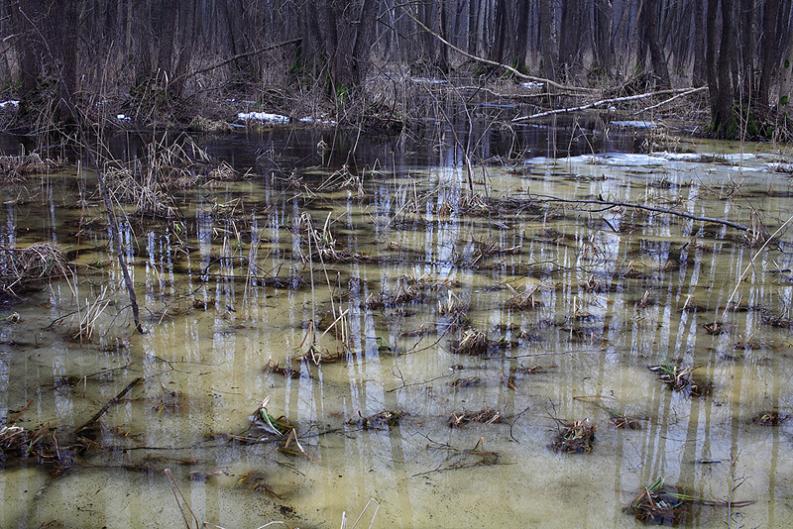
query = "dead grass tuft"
{"x": 574, "y": 436}
{"x": 483, "y": 416}
{"x": 681, "y": 379}
{"x": 770, "y": 418}
{"x": 472, "y": 343}
{"x": 15, "y": 169}
{"x": 22, "y": 268}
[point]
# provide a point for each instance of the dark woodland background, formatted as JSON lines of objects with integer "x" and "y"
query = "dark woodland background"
{"x": 56, "y": 54}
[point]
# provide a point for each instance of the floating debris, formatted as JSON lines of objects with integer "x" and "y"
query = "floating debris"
{"x": 770, "y": 418}
{"x": 291, "y": 445}
{"x": 715, "y": 328}
{"x": 483, "y": 416}
{"x": 465, "y": 382}
{"x": 381, "y": 420}
{"x": 623, "y": 422}
{"x": 658, "y": 504}
{"x": 263, "y": 420}
{"x": 574, "y": 436}
{"x": 285, "y": 371}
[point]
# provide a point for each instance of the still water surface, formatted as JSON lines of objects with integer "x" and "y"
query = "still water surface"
{"x": 615, "y": 291}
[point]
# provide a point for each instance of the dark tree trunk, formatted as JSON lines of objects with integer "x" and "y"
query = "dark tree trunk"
{"x": 501, "y": 30}
{"x": 748, "y": 42}
{"x": 649, "y": 21}
{"x": 522, "y": 44}
{"x": 768, "y": 48}
{"x": 720, "y": 62}
{"x": 604, "y": 11}
{"x": 346, "y": 41}
{"x": 443, "y": 54}
{"x": 473, "y": 26}
{"x": 699, "y": 76}
{"x": 548, "y": 40}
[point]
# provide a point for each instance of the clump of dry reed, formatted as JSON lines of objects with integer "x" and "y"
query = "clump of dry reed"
{"x": 681, "y": 379}
{"x": 472, "y": 343}
{"x": 574, "y": 436}
{"x": 22, "y": 268}
{"x": 344, "y": 180}
{"x": 483, "y": 416}
{"x": 16, "y": 168}
{"x": 455, "y": 308}
{"x": 148, "y": 183}
{"x": 524, "y": 300}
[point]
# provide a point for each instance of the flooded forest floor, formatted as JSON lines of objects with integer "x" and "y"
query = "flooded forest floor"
{"x": 583, "y": 328}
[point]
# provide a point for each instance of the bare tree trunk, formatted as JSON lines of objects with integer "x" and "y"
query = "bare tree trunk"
{"x": 719, "y": 68}
{"x": 501, "y": 30}
{"x": 473, "y": 27}
{"x": 748, "y": 42}
{"x": 604, "y": 12}
{"x": 699, "y": 76}
{"x": 548, "y": 44}
{"x": 522, "y": 45}
{"x": 767, "y": 49}
{"x": 443, "y": 53}
{"x": 649, "y": 22}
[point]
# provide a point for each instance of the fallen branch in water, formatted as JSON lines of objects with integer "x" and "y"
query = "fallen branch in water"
{"x": 608, "y": 204}
{"x": 603, "y": 102}
{"x": 667, "y": 101}
{"x": 109, "y": 404}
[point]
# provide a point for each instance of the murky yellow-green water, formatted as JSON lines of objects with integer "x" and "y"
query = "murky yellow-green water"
{"x": 611, "y": 286}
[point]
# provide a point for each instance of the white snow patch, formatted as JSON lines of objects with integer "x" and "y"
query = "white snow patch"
{"x": 532, "y": 85}
{"x": 635, "y": 124}
{"x": 318, "y": 121}
{"x": 780, "y": 167}
{"x": 427, "y": 80}
{"x": 123, "y": 117}
{"x": 13, "y": 103}
{"x": 263, "y": 117}
{"x": 737, "y": 156}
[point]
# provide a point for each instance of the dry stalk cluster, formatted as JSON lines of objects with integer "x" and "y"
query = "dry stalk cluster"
{"x": 576, "y": 437}
{"x": 483, "y": 416}
{"x": 22, "y": 268}
{"x": 15, "y": 169}
{"x": 148, "y": 183}
{"x": 681, "y": 379}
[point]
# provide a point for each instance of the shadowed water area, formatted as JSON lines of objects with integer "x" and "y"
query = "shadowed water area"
{"x": 425, "y": 346}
